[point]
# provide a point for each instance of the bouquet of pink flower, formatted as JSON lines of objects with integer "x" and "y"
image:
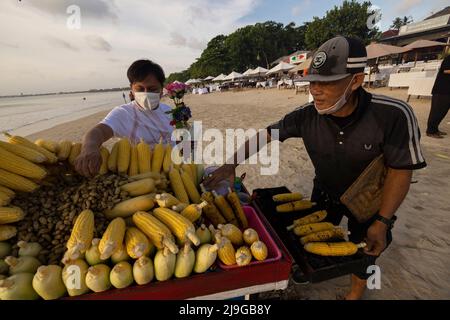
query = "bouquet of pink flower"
{"x": 181, "y": 113}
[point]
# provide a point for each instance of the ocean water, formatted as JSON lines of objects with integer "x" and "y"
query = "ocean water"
{"x": 27, "y": 115}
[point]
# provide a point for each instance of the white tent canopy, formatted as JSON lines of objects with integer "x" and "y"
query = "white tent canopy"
{"x": 281, "y": 67}
{"x": 193, "y": 81}
{"x": 248, "y": 72}
{"x": 260, "y": 71}
{"x": 234, "y": 76}
{"x": 220, "y": 77}
{"x": 208, "y": 78}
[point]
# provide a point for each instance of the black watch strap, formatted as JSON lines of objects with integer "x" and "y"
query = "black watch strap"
{"x": 388, "y": 222}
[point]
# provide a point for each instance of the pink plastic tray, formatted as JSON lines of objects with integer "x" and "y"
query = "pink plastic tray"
{"x": 274, "y": 254}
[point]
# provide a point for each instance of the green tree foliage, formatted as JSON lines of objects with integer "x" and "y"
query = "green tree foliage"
{"x": 399, "y": 22}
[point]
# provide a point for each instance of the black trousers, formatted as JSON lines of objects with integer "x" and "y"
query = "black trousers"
{"x": 358, "y": 231}
{"x": 440, "y": 104}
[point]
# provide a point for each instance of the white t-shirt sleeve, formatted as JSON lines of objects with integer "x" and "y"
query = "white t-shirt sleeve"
{"x": 117, "y": 121}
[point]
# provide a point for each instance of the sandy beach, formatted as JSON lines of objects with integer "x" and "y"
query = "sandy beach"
{"x": 416, "y": 264}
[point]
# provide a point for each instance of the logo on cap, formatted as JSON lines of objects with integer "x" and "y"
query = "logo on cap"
{"x": 319, "y": 60}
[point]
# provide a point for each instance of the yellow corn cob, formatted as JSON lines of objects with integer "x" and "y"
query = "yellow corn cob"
{"x": 123, "y": 156}
{"x": 64, "y": 150}
{"x": 7, "y": 232}
{"x": 105, "y": 155}
{"x": 166, "y": 200}
{"x": 243, "y": 256}
{"x": 336, "y": 233}
{"x": 226, "y": 252}
{"x": 112, "y": 160}
{"x": 112, "y": 239}
{"x": 178, "y": 186}
{"x": 194, "y": 173}
{"x": 128, "y": 207}
{"x": 5, "y": 199}
{"x": 235, "y": 202}
{"x": 181, "y": 227}
{"x": 11, "y": 215}
{"x": 185, "y": 262}
{"x": 15, "y": 164}
{"x": 167, "y": 162}
{"x": 205, "y": 257}
{"x": 24, "y": 152}
{"x": 81, "y": 237}
{"x": 259, "y": 250}
{"x": 51, "y": 146}
{"x": 179, "y": 207}
{"x": 250, "y": 236}
{"x": 137, "y": 243}
{"x": 187, "y": 168}
{"x": 148, "y": 175}
{"x": 144, "y": 157}
{"x": 210, "y": 211}
{"x": 74, "y": 153}
{"x": 190, "y": 187}
{"x": 7, "y": 192}
{"x": 51, "y": 157}
{"x": 232, "y": 233}
{"x": 16, "y": 182}
{"x": 225, "y": 209}
{"x": 311, "y": 218}
{"x": 287, "y": 197}
{"x": 158, "y": 157}
{"x": 155, "y": 230}
{"x": 302, "y": 231}
{"x": 295, "y": 206}
{"x": 140, "y": 187}
{"x": 338, "y": 249}
{"x": 134, "y": 165}
{"x": 193, "y": 212}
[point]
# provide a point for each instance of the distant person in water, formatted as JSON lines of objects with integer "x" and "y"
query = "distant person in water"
{"x": 144, "y": 117}
{"x": 124, "y": 97}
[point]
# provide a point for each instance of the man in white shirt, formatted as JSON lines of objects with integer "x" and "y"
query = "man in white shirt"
{"x": 144, "y": 118}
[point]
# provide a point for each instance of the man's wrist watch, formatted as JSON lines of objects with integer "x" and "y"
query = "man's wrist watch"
{"x": 386, "y": 221}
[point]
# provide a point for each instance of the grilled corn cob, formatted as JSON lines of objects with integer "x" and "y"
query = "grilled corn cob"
{"x": 24, "y": 152}
{"x": 155, "y": 230}
{"x": 259, "y": 250}
{"x": 338, "y": 249}
{"x": 112, "y": 239}
{"x": 134, "y": 165}
{"x": 64, "y": 150}
{"x": 123, "y": 156}
{"x": 137, "y": 243}
{"x": 302, "y": 231}
{"x": 181, "y": 227}
{"x": 243, "y": 256}
{"x": 295, "y": 206}
{"x": 7, "y": 232}
{"x": 235, "y": 202}
{"x": 232, "y": 233}
{"x": 190, "y": 187}
{"x": 15, "y": 164}
{"x": 225, "y": 209}
{"x": 16, "y": 182}
{"x": 336, "y": 233}
{"x": 312, "y": 218}
{"x": 193, "y": 212}
{"x": 51, "y": 146}
{"x": 158, "y": 157}
{"x": 129, "y": 207}
{"x": 17, "y": 140}
{"x": 112, "y": 160}
{"x": 81, "y": 237}
{"x": 11, "y": 215}
{"x": 105, "y": 155}
{"x": 178, "y": 186}
{"x": 140, "y": 187}
{"x": 287, "y": 197}
{"x": 74, "y": 153}
{"x": 250, "y": 236}
{"x": 144, "y": 157}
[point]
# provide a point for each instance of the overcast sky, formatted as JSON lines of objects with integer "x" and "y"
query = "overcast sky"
{"x": 38, "y": 53}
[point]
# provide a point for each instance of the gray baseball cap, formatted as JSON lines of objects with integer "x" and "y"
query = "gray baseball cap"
{"x": 337, "y": 59}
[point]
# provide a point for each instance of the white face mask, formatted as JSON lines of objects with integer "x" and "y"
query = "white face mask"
{"x": 338, "y": 105}
{"x": 147, "y": 100}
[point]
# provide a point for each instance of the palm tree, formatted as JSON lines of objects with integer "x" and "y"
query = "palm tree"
{"x": 398, "y": 22}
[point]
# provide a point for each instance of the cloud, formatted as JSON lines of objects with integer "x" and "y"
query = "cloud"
{"x": 98, "y": 43}
{"x": 177, "y": 39}
{"x": 404, "y": 6}
{"x": 89, "y": 8}
{"x": 297, "y": 10}
{"x": 8, "y": 45}
{"x": 60, "y": 43}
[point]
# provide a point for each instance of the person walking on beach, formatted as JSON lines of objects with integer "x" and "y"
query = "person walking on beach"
{"x": 144, "y": 117}
{"x": 344, "y": 130}
{"x": 440, "y": 102}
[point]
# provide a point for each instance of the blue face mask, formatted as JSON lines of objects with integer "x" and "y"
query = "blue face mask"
{"x": 147, "y": 100}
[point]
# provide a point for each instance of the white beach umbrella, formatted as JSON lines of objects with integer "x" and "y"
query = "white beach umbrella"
{"x": 248, "y": 72}
{"x": 260, "y": 71}
{"x": 281, "y": 67}
{"x": 234, "y": 76}
{"x": 220, "y": 77}
{"x": 208, "y": 78}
